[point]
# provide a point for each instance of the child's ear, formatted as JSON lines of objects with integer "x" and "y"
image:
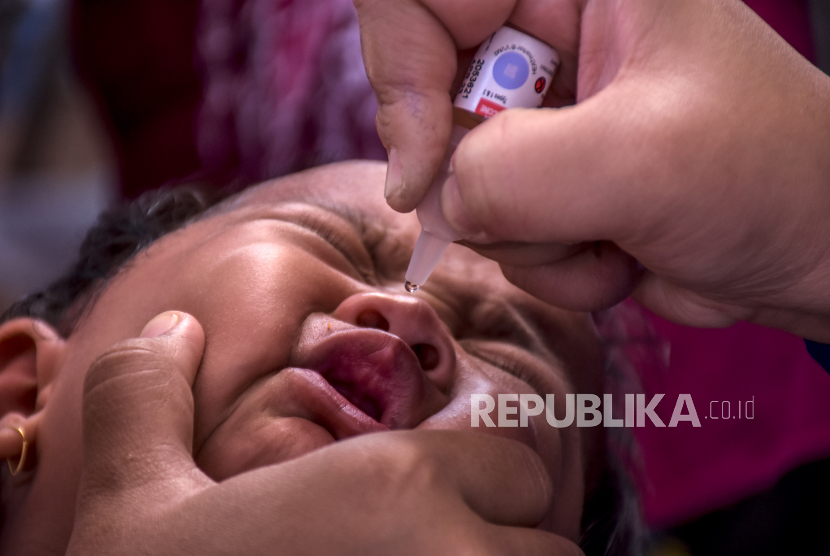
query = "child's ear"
{"x": 30, "y": 355}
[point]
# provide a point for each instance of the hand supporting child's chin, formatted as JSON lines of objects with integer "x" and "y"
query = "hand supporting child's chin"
{"x": 409, "y": 492}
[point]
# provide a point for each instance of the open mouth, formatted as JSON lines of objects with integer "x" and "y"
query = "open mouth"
{"x": 315, "y": 399}
{"x": 365, "y": 402}
{"x": 375, "y": 372}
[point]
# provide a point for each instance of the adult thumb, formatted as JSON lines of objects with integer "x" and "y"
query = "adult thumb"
{"x": 564, "y": 176}
{"x": 138, "y": 409}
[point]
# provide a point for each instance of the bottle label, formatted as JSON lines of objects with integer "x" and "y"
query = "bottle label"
{"x": 510, "y": 70}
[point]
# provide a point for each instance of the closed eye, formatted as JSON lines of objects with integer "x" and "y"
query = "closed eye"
{"x": 341, "y": 235}
{"x": 492, "y": 320}
{"x": 513, "y": 363}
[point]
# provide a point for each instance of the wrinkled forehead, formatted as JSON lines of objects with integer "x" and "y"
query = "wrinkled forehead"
{"x": 354, "y": 184}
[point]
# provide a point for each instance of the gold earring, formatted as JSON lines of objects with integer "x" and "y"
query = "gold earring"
{"x": 23, "y": 451}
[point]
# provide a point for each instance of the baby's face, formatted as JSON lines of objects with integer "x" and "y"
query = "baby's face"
{"x": 311, "y": 337}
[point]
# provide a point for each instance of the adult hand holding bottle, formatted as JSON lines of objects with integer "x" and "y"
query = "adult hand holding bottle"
{"x": 697, "y": 146}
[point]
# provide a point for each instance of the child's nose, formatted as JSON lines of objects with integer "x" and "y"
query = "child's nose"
{"x": 412, "y": 320}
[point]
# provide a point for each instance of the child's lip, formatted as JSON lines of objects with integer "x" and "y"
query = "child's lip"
{"x": 325, "y": 406}
{"x": 377, "y": 373}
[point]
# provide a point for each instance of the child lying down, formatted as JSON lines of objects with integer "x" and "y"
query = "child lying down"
{"x": 309, "y": 340}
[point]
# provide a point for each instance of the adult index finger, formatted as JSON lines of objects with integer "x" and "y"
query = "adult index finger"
{"x": 410, "y": 52}
{"x": 563, "y": 176}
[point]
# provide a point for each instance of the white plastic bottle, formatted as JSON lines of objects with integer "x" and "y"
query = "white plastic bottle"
{"x": 510, "y": 69}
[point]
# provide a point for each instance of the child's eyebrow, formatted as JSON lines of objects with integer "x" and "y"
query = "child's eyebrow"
{"x": 364, "y": 223}
{"x": 357, "y": 218}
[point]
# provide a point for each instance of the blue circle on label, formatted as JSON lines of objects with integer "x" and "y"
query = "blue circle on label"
{"x": 511, "y": 70}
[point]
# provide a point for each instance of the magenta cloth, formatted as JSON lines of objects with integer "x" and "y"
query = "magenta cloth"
{"x": 790, "y": 19}
{"x": 284, "y": 87}
{"x": 691, "y": 471}
{"x": 227, "y": 92}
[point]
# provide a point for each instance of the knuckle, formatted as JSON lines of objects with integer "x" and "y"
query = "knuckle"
{"x": 418, "y": 465}
{"x": 406, "y": 471}
{"x": 407, "y": 460}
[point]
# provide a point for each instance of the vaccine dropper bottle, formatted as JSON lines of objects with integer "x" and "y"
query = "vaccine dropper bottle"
{"x": 510, "y": 69}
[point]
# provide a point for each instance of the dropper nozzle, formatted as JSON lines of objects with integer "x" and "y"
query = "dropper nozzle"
{"x": 436, "y": 234}
{"x": 427, "y": 254}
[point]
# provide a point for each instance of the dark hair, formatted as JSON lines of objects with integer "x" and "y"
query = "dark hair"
{"x": 611, "y": 523}
{"x": 117, "y": 236}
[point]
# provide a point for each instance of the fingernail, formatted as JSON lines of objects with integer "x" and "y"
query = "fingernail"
{"x": 456, "y": 212}
{"x": 394, "y": 174}
{"x": 160, "y": 324}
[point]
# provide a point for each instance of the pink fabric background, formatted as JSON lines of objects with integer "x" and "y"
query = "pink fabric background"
{"x": 692, "y": 471}
{"x": 284, "y": 87}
